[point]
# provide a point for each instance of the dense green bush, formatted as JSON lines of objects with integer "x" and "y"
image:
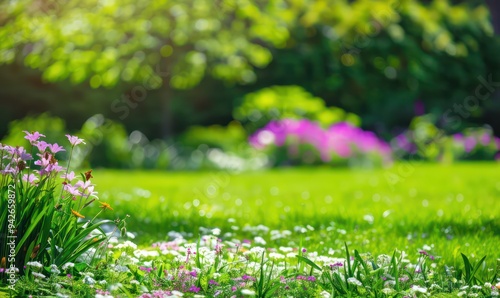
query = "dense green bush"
{"x": 287, "y": 102}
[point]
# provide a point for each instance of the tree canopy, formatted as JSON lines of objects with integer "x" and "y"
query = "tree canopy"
{"x": 179, "y": 42}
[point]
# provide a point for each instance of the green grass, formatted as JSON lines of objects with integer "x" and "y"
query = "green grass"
{"x": 454, "y": 208}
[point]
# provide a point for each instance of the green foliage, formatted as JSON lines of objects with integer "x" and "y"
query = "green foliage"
{"x": 470, "y": 271}
{"x": 107, "y": 142}
{"x": 427, "y": 140}
{"x": 228, "y": 138}
{"x": 185, "y": 37}
{"x": 374, "y": 59}
{"x": 54, "y": 129}
{"x": 287, "y": 102}
{"x": 377, "y": 60}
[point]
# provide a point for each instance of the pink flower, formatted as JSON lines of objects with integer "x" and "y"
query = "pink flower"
{"x": 71, "y": 189}
{"x": 42, "y": 145}
{"x": 43, "y": 162}
{"x": 51, "y": 168}
{"x": 69, "y": 177}
{"x": 74, "y": 140}
{"x": 55, "y": 148}
{"x": 9, "y": 169}
{"x": 30, "y": 179}
{"x": 83, "y": 185}
{"x": 33, "y": 137}
{"x": 20, "y": 153}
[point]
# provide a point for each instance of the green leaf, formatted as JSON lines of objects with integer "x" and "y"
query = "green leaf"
{"x": 308, "y": 262}
{"x": 467, "y": 268}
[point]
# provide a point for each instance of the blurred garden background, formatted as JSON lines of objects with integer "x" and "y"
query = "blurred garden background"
{"x": 183, "y": 85}
{"x": 286, "y": 123}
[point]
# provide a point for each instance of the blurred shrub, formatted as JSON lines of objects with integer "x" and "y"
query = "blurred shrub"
{"x": 425, "y": 140}
{"x": 108, "y": 142}
{"x": 54, "y": 128}
{"x": 287, "y": 102}
{"x": 111, "y": 146}
{"x": 217, "y": 147}
{"x": 227, "y": 138}
{"x": 378, "y": 58}
{"x": 291, "y": 141}
{"x": 146, "y": 154}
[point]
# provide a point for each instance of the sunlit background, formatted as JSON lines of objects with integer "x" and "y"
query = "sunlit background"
{"x": 253, "y": 84}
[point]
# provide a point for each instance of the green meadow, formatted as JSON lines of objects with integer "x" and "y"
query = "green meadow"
{"x": 453, "y": 208}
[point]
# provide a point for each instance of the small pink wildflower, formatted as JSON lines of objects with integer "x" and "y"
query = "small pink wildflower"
{"x": 33, "y": 137}
{"x": 56, "y": 148}
{"x": 74, "y": 140}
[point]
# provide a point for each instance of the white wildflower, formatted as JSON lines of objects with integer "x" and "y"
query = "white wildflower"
{"x": 257, "y": 250}
{"x": 67, "y": 266}
{"x": 121, "y": 268}
{"x": 416, "y": 288}
{"x": 34, "y": 264}
{"x": 38, "y": 275}
{"x": 286, "y": 249}
{"x": 275, "y": 255}
{"x": 354, "y": 281}
{"x": 88, "y": 280}
{"x": 247, "y": 292}
{"x": 54, "y": 269}
{"x": 259, "y": 240}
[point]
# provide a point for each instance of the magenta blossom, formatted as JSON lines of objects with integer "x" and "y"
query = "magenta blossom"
{"x": 74, "y": 140}
{"x": 71, "y": 189}
{"x": 44, "y": 161}
{"x": 51, "y": 168}
{"x": 42, "y": 145}
{"x": 194, "y": 289}
{"x": 56, "y": 148}
{"x": 19, "y": 153}
{"x": 33, "y": 137}
{"x": 69, "y": 176}
{"x": 342, "y": 139}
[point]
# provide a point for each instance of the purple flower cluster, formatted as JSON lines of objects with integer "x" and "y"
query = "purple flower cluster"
{"x": 14, "y": 159}
{"x": 460, "y": 144}
{"x": 474, "y": 141}
{"x": 342, "y": 139}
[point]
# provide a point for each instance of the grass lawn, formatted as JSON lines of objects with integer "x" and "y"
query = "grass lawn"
{"x": 451, "y": 208}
